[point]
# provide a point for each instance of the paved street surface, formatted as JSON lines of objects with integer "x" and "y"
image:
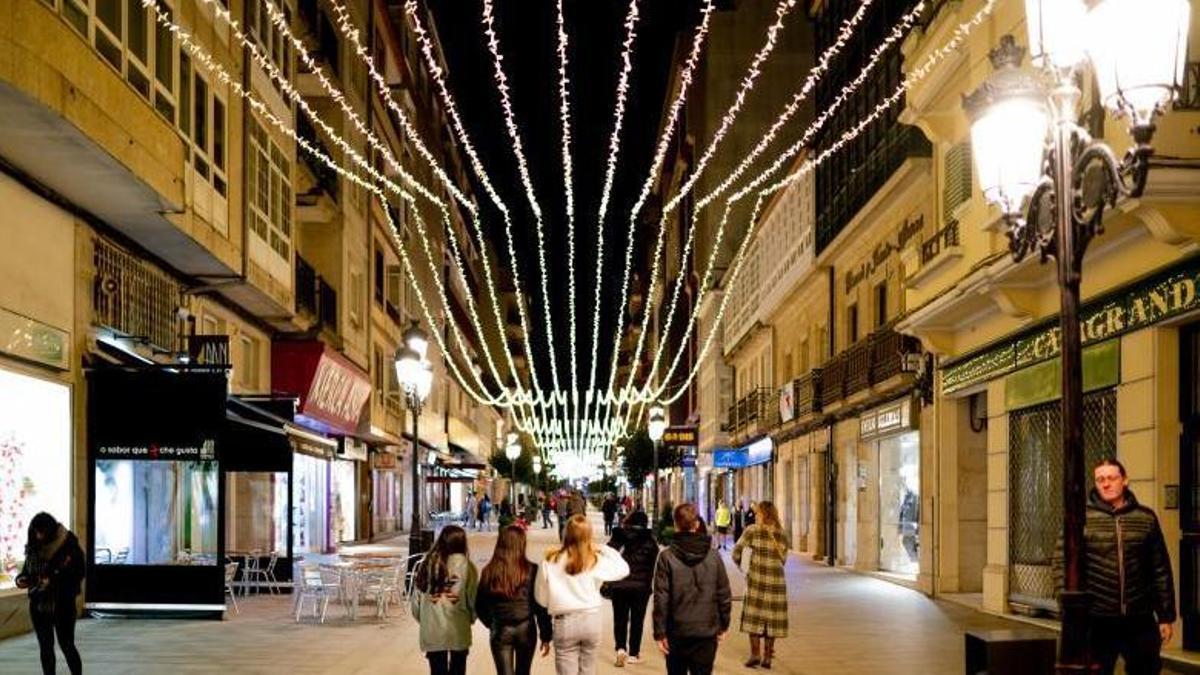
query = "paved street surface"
{"x": 840, "y": 623}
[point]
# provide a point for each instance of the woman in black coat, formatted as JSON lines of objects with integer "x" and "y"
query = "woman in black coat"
{"x": 506, "y": 606}
{"x": 631, "y": 594}
{"x": 53, "y": 575}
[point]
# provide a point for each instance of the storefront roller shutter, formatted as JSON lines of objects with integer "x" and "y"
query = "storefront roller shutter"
{"x": 1035, "y": 510}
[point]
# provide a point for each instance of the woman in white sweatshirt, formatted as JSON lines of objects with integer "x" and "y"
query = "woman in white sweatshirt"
{"x": 568, "y": 586}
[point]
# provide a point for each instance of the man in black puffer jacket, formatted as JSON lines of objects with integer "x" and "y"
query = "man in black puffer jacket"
{"x": 630, "y": 595}
{"x": 1128, "y": 579}
{"x": 692, "y": 600}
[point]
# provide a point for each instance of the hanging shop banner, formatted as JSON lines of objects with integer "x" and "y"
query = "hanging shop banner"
{"x": 1144, "y": 303}
{"x": 787, "y": 402}
{"x": 729, "y": 458}
{"x": 683, "y": 437}
{"x": 332, "y": 390}
{"x": 886, "y": 419}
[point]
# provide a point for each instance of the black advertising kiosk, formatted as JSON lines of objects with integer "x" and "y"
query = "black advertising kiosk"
{"x": 156, "y": 509}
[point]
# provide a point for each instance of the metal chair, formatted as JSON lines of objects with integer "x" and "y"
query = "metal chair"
{"x": 251, "y": 571}
{"x": 231, "y": 569}
{"x": 262, "y": 575}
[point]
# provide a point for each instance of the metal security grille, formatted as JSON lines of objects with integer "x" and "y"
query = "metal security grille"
{"x": 133, "y": 297}
{"x": 1035, "y": 489}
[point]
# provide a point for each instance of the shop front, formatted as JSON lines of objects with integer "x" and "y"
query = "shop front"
{"x": 387, "y": 492}
{"x": 889, "y": 513}
{"x": 36, "y": 425}
{"x": 154, "y": 443}
{"x": 749, "y": 472}
{"x": 328, "y": 482}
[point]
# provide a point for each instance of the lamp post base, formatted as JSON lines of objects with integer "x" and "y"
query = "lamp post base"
{"x": 1073, "y": 650}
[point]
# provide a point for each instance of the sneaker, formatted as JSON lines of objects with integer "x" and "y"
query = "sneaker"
{"x": 632, "y": 660}
{"x": 621, "y": 658}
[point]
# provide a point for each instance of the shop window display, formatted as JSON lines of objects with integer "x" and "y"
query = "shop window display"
{"x": 151, "y": 512}
{"x": 344, "y": 497}
{"x": 256, "y": 511}
{"x": 310, "y": 504}
{"x": 35, "y": 462}
{"x": 900, "y": 503}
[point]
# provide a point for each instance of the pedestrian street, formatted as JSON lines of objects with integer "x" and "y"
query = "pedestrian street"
{"x": 840, "y": 622}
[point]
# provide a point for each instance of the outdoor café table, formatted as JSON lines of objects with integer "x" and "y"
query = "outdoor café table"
{"x": 351, "y": 575}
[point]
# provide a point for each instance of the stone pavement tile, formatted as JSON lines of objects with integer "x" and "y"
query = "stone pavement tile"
{"x": 840, "y": 623}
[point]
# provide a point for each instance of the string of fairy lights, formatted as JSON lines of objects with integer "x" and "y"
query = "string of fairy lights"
{"x": 580, "y": 423}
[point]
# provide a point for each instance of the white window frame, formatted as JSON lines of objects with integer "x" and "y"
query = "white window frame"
{"x": 272, "y": 228}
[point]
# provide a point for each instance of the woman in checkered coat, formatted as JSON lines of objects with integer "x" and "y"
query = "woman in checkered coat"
{"x": 764, "y": 613}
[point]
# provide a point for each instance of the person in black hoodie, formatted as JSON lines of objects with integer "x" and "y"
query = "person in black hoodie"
{"x": 52, "y": 575}
{"x": 692, "y": 600}
{"x": 506, "y": 606}
{"x": 630, "y": 595}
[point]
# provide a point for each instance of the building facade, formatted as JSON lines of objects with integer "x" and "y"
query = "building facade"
{"x": 163, "y": 225}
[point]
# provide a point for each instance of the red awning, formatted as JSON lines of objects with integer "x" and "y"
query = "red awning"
{"x": 332, "y": 390}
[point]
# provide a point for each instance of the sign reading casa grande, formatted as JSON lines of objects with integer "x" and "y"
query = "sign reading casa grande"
{"x": 1155, "y": 299}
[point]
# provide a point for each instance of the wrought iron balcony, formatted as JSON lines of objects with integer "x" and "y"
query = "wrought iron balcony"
{"x": 871, "y": 361}
{"x": 132, "y": 297}
{"x": 306, "y": 288}
{"x": 751, "y": 408}
{"x": 808, "y": 393}
{"x": 833, "y": 380}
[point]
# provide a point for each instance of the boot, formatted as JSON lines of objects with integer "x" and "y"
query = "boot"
{"x": 768, "y": 652}
{"x": 754, "y": 652}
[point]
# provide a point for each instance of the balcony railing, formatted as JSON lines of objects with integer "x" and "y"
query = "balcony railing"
{"x": 306, "y": 288}
{"x": 858, "y": 366}
{"x": 868, "y": 362}
{"x": 888, "y": 349}
{"x": 327, "y": 178}
{"x": 751, "y": 408}
{"x": 327, "y": 311}
{"x": 943, "y": 239}
{"x": 833, "y": 380}
{"x": 134, "y": 298}
{"x": 808, "y": 393}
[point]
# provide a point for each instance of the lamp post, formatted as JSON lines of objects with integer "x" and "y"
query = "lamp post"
{"x": 513, "y": 451}
{"x": 656, "y": 427}
{"x": 1137, "y": 50}
{"x": 415, "y": 375}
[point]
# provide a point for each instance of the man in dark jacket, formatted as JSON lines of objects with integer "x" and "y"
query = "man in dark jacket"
{"x": 609, "y": 508}
{"x": 1129, "y": 580}
{"x": 691, "y": 598}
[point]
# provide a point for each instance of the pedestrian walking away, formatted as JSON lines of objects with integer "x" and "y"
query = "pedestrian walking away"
{"x": 609, "y": 509}
{"x": 568, "y": 586}
{"x": 471, "y": 512}
{"x": 485, "y": 513}
{"x": 692, "y": 599}
{"x": 631, "y": 595}
{"x": 1129, "y": 583}
{"x": 548, "y": 505}
{"x": 562, "y": 510}
{"x": 443, "y": 603}
{"x": 52, "y": 576}
{"x": 506, "y": 605}
{"x": 724, "y": 520}
{"x": 764, "y": 612}
{"x": 739, "y": 522}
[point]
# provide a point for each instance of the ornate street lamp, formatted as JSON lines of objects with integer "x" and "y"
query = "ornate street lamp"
{"x": 416, "y": 376}
{"x": 1137, "y": 50}
{"x": 513, "y": 452}
{"x": 656, "y": 427}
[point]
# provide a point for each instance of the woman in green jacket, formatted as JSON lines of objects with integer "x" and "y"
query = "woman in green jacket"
{"x": 444, "y": 602}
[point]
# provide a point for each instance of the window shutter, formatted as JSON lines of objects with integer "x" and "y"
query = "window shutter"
{"x": 957, "y": 187}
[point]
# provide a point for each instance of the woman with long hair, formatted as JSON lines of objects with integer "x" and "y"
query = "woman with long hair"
{"x": 52, "y": 576}
{"x": 764, "y": 613}
{"x": 444, "y": 602}
{"x": 568, "y": 586}
{"x": 506, "y": 605}
{"x": 630, "y": 595}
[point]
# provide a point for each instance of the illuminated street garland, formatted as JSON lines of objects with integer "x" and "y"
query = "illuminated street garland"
{"x": 899, "y": 31}
{"x": 564, "y": 113}
{"x": 510, "y": 124}
{"x": 961, "y": 32}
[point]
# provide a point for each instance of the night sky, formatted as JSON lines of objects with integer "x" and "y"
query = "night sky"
{"x": 527, "y": 34}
